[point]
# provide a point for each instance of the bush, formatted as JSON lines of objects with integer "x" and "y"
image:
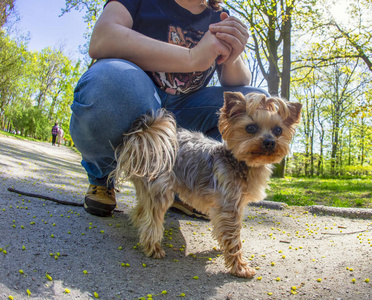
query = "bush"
{"x": 31, "y": 122}
{"x": 358, "y": 170}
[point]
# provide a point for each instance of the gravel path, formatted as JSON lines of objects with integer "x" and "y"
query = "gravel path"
{"x": 299, "y": 253}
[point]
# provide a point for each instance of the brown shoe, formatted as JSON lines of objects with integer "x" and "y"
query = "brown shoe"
{"x": 100, "y": 200}
{"x": 188, "y": 210}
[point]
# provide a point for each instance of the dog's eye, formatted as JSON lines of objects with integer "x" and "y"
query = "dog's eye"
{"x": 252, "y": 128}
{"x": 277, "y": 130}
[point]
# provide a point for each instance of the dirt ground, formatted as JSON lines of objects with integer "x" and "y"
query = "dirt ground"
{"x": 53, "y": 251}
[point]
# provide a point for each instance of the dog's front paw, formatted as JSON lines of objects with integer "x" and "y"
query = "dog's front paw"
{"x": 159, "y": 253}
{"x": 155, "y": 251}
{"x": 245, "y": 272}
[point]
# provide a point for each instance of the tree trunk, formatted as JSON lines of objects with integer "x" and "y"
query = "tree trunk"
{"x": 285, "y": 76}
{"x": 273, "y": 77}
{"x": 286, "y": 73}
{"x": 363, "y": 140}
{"x": 349, "y": 148}
{"x": 334, "y": 149}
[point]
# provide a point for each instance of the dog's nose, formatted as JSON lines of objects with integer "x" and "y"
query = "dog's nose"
{"x": 269, "y": 144}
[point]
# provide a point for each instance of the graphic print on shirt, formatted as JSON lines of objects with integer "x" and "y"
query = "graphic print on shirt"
{"x": 183, "y": 82}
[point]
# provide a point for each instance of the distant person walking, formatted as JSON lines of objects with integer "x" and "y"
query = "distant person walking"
{"x": 61, "y": 133}
{"x": 54, "y": 134}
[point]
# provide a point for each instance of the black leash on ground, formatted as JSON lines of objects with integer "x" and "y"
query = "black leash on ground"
{"x": 70, "y": 203}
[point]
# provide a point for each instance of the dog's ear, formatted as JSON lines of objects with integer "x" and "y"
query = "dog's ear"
{"x": 294, "y": 113}
{"x": 235, "y": 104}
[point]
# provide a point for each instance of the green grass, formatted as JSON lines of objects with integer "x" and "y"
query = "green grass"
{"x": 354, "y": 192}
{"x": 19, "y": 136}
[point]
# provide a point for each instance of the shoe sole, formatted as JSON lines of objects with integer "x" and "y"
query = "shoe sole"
{"x": 98, "y": 211}
{"x": 180, "y": 208}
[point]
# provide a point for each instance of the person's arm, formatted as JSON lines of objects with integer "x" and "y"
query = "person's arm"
{"x": 233, "y": 71}
{"x": 113, "y": 38}
{"x": 234, "y": 74}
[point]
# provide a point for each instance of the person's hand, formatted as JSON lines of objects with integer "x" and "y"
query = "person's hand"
{"x": 208, "y": 50}
{"x": 232, "y": 32}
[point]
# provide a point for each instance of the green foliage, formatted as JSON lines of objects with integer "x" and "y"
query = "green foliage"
{"x": 30, "y": 121}
{"x": 358, "y": 171}
{"x": 339, "y": 36}
{"x": 6, "y": 7}
{"x": 36, "y": 89}
{"x": 11, "y": 69}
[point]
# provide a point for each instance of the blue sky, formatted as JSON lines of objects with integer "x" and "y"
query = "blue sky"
{"x": 47, "y": 29}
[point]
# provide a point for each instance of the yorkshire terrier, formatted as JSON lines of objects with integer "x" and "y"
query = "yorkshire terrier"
{"x": 217, "y": 178}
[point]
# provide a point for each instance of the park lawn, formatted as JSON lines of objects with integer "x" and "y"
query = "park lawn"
{"x": 2, "y": 132}
{"x": 354, "y": 192}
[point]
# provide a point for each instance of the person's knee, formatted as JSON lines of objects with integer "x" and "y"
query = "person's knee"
{"x": 112, "y": 76}
{"x": 108, "y": 98}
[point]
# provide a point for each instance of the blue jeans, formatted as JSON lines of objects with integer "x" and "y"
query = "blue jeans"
{"x": 113, "y": 93}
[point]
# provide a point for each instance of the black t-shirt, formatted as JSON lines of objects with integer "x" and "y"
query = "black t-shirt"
{"x": 167, "y": 21}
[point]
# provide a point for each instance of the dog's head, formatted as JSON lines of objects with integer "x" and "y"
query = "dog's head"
{"x": 258, "y": 129}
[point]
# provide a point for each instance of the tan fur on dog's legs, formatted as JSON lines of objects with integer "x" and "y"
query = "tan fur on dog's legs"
{"x": 148, "y": 216}
{"x": 226, "y": 229}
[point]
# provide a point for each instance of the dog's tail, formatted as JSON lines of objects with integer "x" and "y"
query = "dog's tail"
{"x": 149, "y": 148}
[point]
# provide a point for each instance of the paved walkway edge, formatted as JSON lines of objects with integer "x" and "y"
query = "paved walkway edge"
{"x": 359, "y": 213}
